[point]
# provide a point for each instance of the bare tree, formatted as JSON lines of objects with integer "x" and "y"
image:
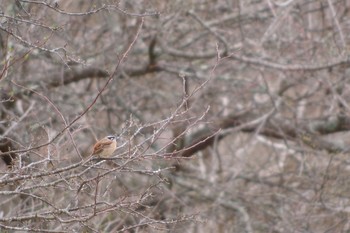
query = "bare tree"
{"x": 231, "y": 116}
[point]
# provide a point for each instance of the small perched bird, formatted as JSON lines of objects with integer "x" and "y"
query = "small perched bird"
{"x": 105, "y": 147}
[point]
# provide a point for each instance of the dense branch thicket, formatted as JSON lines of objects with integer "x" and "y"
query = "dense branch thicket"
{"x": 231, "y": 116}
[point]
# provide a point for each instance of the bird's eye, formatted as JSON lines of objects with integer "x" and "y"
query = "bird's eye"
{"x": 111, "y": 137}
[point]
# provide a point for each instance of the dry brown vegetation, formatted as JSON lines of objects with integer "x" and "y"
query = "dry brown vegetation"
{"x": 231, "y": 116}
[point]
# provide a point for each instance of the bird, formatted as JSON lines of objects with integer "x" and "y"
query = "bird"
{"x": 105, "y": 147}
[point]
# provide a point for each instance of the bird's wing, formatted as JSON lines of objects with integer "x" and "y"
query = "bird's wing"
{"x": 100, "y": 146}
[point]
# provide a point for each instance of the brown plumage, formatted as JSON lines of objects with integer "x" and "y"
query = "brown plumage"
{"x": 105, "y": 147}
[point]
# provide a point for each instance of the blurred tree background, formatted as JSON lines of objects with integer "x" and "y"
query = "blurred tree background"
{"x": 231, "y": 116}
